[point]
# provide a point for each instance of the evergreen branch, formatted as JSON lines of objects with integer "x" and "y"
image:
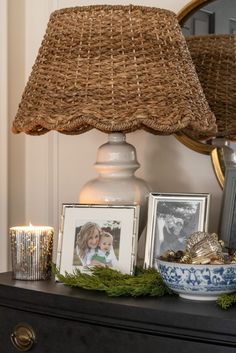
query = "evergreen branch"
{"x": 114, "y": 283}
{"x": 225, "y": 301}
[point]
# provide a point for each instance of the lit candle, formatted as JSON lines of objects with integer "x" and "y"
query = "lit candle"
{"x": 31, "y": 250}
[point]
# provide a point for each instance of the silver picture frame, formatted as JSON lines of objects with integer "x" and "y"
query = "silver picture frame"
{"x": 172, "y": 217}
{"x": 228, "y": 210}
{"x": 98, "y": 235}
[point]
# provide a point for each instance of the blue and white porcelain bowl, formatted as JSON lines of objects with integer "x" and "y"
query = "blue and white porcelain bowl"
{"x": 198, "y": 282}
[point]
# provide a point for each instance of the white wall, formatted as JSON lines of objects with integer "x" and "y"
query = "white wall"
{"x": 3, "y": 137}
{"x": 53, "y": 168}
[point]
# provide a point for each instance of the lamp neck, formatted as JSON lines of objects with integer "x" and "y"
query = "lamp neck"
{"x": 116, "y": 158}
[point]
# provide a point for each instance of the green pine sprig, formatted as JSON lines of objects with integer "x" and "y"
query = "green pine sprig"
{"x": 114, "y": 283}
{"x": 225, "y": 301}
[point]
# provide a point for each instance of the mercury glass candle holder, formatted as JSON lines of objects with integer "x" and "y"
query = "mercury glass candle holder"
{"x": 31, "y": 251}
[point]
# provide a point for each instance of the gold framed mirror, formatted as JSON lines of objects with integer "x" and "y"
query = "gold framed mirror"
{"x": 197, "y": 8}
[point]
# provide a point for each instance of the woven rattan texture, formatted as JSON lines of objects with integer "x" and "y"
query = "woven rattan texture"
{"x": 114, "y": 68}
{"x": 215, "y": 59}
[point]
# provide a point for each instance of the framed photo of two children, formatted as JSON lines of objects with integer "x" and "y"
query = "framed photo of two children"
{"x": 98, "y": 235}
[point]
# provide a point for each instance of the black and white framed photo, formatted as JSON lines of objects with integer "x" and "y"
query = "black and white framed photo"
{"x": 98, "y": 235}
{"x": 228, "y": 209}
{"x": 171, "y": 219}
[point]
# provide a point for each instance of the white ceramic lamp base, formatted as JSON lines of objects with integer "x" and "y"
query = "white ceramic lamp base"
{"x": 116, "y": 184}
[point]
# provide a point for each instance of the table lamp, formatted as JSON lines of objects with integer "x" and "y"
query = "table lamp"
{"x": 117, "y": 69}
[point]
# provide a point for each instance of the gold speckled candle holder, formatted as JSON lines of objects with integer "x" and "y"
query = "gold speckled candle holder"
{"x": 31, "y": 250}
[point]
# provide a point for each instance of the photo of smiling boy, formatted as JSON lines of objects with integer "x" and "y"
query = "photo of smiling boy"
{"x": 104, "y": 255}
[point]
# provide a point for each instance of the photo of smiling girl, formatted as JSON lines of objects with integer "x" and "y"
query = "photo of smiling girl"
{"x": 86, "y": 241}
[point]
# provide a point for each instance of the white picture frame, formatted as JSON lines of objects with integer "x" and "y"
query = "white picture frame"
{"x": 172, "y": 217}
{"x": 98, "y": 235}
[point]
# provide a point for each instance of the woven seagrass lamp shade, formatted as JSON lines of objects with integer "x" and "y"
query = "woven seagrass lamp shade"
{"x": 215, "y": 59}
{"x": 113, "y": 68}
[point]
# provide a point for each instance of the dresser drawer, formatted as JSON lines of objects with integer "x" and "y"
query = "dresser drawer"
{"x": 57, "y": 335}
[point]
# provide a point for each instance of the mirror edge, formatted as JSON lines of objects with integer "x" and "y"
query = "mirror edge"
{"x": 202, "y": 148}
{"x": 195, "y": 145}
{"x": 215, "y": 159}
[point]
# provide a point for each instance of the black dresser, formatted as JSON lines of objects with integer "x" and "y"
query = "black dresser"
{"x": 48, "y": 317}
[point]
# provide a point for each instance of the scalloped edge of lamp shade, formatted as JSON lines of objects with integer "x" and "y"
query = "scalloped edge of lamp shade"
{"x": 40, "y": 126}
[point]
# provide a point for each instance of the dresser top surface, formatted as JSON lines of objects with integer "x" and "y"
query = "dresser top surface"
{"x": 167, "y": 303}
{"x": 52, "y": 298}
